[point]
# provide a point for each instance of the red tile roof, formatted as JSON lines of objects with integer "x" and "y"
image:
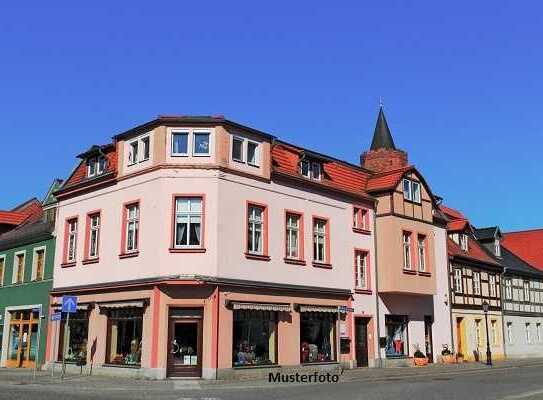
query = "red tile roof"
{"x": 527, "y": 245}
{"x": 451, "y": 212}
{"x": 387, "y": 180}
{"x": 11, "y": 218}
{"x": 475, "y": 252}
{"x": 457, "y": 220}
{"x": 27, "y": 211}
{"x": 80, "y": 173}
{"x": 336, "y": 174}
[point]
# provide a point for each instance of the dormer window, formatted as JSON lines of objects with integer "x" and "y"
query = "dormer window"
{"x": 497, "y": 248}
{"x": 139, "y": 150}
{"x": 311, "y": 169}
{"x": 464, "y": 241}
{"x": 411, "y": 190}
{"x": 96, "y": 166}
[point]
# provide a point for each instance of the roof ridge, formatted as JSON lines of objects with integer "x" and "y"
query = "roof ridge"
{"x": 522, "y": 231}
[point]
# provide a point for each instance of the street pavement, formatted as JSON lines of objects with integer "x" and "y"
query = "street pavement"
{"x": 511, "y": 380}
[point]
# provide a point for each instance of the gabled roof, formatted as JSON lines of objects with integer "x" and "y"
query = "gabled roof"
{"x": 336, "y": 174}
{"x": 387, "y": 180}
{"x": 528, "y": 245}
{"x": 475, "y": 252}
{"x": 382, "y": 138}
{"x": 514, "y": 264}
{"x": 457, "y": 221}
{"x": 21, "y": 213}
{"x": 49, "y": 197}
{"x": 489, "y": 233}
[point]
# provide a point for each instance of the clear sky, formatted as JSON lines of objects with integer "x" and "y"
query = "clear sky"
{"x": 461, "y": 83}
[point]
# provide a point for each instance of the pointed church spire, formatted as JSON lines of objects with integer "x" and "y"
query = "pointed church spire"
{"x": 382, "y": 138}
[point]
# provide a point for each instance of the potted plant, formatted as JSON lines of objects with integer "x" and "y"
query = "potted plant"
{"x": 447, "y": 355}
{"x": 459, "y": 357}
{"x": 419, "y": 358}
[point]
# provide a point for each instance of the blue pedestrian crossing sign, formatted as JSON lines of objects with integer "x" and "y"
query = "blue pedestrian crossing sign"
{"x": 69, "y": 304}
{"x": 57, "y": 316}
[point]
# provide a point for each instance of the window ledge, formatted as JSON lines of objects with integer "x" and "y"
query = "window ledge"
{"x": 91, "y": 261}
{"x": 409, "y": 271}
{"x": 68, "y": 264}
{"x": 294, "y": 261}
{"x": 363, "y": 291}
{"x": 187, "y": 250}
{"x": 362, "y": 231}
{"x": 423, "y": 273}
{"x": 318, "y": 264}
{"x": 260, "y": 257}
{"x": 129, "y": 255}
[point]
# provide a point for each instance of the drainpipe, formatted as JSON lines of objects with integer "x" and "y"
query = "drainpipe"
{"x": 377, "y": 322}
{"x": 450, "y": 295}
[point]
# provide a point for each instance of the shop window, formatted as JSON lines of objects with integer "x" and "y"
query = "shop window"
{"x": 318, "y": 337}
{"x": 75, "y": 337}
{"x": 125, "y": 328}
{"x": 396, "y": 335}
{"x": 255, "y": 338}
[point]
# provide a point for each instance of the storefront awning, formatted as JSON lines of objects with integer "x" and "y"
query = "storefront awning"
{"x": 312, "y": 308}
{"x": 123, "y": 304}
{"x": 260, "y": 306}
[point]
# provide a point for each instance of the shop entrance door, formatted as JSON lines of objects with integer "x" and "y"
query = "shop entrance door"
{"x": 428, "y": 321}
{"x": 185, "y": 348}
{"x": 23, "y": 339}
{"x": 361, "y": 339}
{"x": 459, "y": 335}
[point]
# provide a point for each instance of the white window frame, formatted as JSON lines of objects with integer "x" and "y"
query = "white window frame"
{"x": 361, "y": 259}
{"x": 132, "y": 221}
{"x": 72, "y": 238}
{"x": 407, "y": 191}
{"x": 526, "y": 291}
{"x": 415, "y": 191}
{"x": 508, "y": 289}
{"x": 492, "y": 285}
{"x": 319, "y": 238}
{"x": 191, "y": 218}
{"x": 256, "y": 162}
{"x": 3, "y": 272}
{"x": 476, "y": 283}
{"x": 241, "y": 141}
{"x": 35, "y": 262}
{"x": 16, "y": 267}
{"x": 497, "y": 248}
{"x": 138, "y": 144}
{"x": 143, "y": 141}
{"x": 293, "y": 231}
{"x": 406, "y": 246}
{"x": 528, "y": 332}
{"x": 179, "y": 132}
{"x": 458, "y": 285}
{"x": 94, "y": 229}
{"x": 316, "y": 171}
{"x": 411, "y": 190}
{"x": 255, "y": 224}
{"x": 308, "y": 176}
{"x": 463, "y": 238}
{"x": 201, "y": 132}
{"x": 421, "y": 252}
{"x": 510, "y": 336}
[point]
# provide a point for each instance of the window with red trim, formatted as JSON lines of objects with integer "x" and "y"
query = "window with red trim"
{"x": 93, "y": 236}
{"x": 256, "y": 229}
{"x": 421, "y": 253}
{"x": 70, "y": 245}
{"x": 131, "y": 224}
{"x": 406, "y": 242}
{"x": 361, "y": 270}
{"x": 188, "y": 225}
{"x": 321, "y": 241}
{"x": 294, "y": 236}
{"x": 361, "y": 218}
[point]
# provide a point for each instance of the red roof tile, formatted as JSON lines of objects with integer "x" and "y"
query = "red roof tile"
{"x": 528, "y": 245}
{"x": 336, "y": 174}
{"x": 11, "y": 218}
{"x": 27, "y": 211}
{"x": 475, "y": 252}
{"x": 386, "y": 181}
{"x": 451, "y": 212}
{"x": 80, "y": 173}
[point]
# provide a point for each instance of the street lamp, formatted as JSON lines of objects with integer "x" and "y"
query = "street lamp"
{"x": 488, "y": 352}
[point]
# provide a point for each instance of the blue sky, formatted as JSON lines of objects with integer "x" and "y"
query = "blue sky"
{"x": 461, "y": 83}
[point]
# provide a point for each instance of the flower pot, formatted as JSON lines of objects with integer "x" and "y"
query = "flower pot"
{"x": 449, "y": 359}
{"x": 420, "y": 362}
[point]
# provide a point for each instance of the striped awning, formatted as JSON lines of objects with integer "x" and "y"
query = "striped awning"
{"x": 313, "y": 308}
{"x": 260, "y": 306}
{"x": 123, "y": 304}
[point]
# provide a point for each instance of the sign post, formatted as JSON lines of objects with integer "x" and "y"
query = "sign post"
{"x": 69, "y": 306}
{"x": 55, "y": 317}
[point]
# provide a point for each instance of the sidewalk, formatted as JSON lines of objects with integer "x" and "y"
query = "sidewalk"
{"x": 83, "y": 382}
